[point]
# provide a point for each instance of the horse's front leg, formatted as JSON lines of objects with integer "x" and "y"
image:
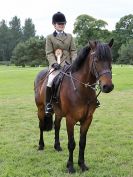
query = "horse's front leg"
{"x": 41, "y": 141}
{"x": 57, "y": 130}
{"x": 82, "y": 143}
{"x": 71, "y": 144}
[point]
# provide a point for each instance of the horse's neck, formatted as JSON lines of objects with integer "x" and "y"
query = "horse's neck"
{"x": 85, "y": 74}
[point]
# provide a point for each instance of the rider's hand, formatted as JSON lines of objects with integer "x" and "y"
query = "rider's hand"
{"x": 56, "y": 66}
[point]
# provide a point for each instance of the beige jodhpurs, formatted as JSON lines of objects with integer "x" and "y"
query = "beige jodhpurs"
{"x": 52, "y": 76}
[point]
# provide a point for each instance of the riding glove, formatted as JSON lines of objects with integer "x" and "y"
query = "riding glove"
{"x": 56, "y": 66}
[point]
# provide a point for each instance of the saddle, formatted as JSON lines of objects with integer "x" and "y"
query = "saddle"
{"x": 57, "y": 82}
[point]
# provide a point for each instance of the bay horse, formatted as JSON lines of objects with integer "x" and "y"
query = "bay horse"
{"x": 78, "y": 97}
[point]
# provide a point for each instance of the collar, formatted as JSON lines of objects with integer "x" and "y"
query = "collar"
{"x": 57, "y": 32}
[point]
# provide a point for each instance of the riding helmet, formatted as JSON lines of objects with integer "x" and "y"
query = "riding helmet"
{"x": 58, "y": 18}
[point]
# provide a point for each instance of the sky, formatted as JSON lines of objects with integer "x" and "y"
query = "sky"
{"x": 41, "y": 12}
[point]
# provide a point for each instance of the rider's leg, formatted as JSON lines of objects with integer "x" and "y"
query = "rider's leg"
{"x": 48, "y": 107}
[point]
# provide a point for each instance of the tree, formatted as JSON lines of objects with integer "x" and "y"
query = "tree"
{"x": 88, "y": 28}
{"x": 5, "y": 39}
{"x": 16, "y": 31}
{"x": 126, "y": 53}
{"x": 125, "y": 28}
{"x": 28, "y": 29}
{"x": 31, "y": 52}
{"x": 123, "y": 33}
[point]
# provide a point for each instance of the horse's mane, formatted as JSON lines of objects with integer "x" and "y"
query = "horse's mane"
{"x": 102, "y": 52}
{"x": 79, "y": 61}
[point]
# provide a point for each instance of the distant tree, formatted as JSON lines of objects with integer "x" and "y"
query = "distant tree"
{"x": 123, "y": 33}
{"x": 16, "y": 31}
{"x": 31, "y": 52}
{"x": 125, "y": 28}
{"x": 5, "y": 39}
{"x": 28, "y": 29}
{"x": 126, "y": 53}
{"x": 88, "y": 28}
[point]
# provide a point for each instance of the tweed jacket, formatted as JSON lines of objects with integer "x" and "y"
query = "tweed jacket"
{"x": 64, "y": 42}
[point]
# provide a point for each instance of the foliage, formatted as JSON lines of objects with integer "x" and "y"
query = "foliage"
{"x": 88, "y": 28}
{"x": 109, "y": 143}
{"x": 31, "y": 52}
{"x": 16, "y": 32}
{"x": 28, "y": 29}
{"x": 125, "y": 27}
{"x": 12, "y": 34}
{"x": 126, "y": 53}
{"x": 123, "y": 33}
{"x": 5, "y": 38}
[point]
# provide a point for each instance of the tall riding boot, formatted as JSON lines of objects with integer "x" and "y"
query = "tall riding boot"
{"x": 48, "y": 108}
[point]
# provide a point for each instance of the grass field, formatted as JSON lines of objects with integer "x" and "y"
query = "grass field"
{"x": 109, "y": 149}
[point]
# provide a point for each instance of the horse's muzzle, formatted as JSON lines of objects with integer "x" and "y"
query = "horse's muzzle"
{"x": 107, "y": 88}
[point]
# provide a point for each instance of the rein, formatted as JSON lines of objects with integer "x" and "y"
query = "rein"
{"x": 92, "y": 86}
{"x": 84, "y": 84}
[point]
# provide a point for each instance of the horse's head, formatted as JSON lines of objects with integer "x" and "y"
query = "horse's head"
{"x": 101, "y": 64}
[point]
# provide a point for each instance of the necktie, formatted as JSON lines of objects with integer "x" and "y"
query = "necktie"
{"x": 60, "y": 34}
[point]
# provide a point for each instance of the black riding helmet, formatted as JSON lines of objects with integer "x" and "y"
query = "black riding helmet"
{"x": 58, "y": 18}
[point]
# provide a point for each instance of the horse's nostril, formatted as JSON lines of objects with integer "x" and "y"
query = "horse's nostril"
{"x": 107, "y": 88}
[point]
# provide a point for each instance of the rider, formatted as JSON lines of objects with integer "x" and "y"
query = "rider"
{"x": 60, "y": 47}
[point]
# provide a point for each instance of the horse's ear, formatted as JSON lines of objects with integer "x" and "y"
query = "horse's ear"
{"x": 92, "y": 44}
{"x": 111, "y": 42}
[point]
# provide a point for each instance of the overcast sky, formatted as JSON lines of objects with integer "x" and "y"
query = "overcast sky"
{"x": 41, "y": 11}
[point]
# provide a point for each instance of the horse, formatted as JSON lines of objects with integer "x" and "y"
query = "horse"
{"x": 77, "y": 97}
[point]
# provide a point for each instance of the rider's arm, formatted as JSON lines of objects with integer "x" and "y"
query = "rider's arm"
{"x": 73, "y": 52}
{"x": 50, "y": 51}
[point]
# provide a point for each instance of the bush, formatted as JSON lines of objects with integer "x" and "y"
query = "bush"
{"x": 31, "y": 52}
{"x": 126, "y": 54}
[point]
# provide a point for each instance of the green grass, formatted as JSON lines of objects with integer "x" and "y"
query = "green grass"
{"x": 109, "y": 148}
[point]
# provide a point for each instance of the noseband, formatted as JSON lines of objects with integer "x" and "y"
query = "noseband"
{"x": 94, "y": 68}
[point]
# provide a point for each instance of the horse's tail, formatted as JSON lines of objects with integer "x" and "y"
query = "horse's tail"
{"x": 48, "y": 123}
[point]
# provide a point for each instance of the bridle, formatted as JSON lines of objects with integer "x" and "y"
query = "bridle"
{"x": 94, "y": 68}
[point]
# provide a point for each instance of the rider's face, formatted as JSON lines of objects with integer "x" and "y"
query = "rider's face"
{"x": 59, "y": 26}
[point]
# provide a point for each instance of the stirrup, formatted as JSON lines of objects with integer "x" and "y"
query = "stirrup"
{"x": 97, "y": 103}
{"x": 48, "y": 109}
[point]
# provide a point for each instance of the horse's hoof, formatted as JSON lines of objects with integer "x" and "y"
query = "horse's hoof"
{"x": 40, "y": 148}
{"x": 57, "y": 148}
{"x": 70, "y": 168}
{"x": 84, "y": 167}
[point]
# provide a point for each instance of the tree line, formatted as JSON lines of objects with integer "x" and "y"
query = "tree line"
{"x": 21, "y": 46}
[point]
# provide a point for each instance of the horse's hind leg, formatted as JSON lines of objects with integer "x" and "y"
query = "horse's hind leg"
{"x": 57, "y": 124}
